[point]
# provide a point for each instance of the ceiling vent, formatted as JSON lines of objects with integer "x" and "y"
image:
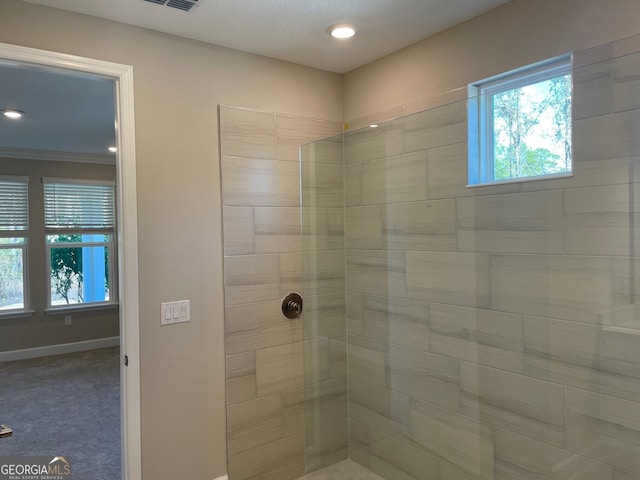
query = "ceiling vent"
{"x": 184, "y": 5}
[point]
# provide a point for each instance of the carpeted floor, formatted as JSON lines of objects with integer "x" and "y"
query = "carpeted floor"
{"x": 65, "y": 405}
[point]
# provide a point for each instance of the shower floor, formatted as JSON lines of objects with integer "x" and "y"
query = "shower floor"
{"x": 345, "y": 470}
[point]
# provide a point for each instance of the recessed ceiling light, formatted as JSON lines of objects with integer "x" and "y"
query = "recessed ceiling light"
{"x": 374, "y": 125}
{"x": 341, "y": 31}
{"x": 113, "y": 149}
{"x": 12, "y": 114}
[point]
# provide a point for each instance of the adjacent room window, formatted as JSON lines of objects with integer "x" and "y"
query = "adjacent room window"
{"x": 79, "y": 229}
{"x": 520, "y": 124}
{"x": 14, "y": 231}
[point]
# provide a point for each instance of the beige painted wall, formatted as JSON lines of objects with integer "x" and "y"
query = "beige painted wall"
{"x": 178, "y": 86}
{"x": 487, "y": 45}
{"x": 46, "y": 328}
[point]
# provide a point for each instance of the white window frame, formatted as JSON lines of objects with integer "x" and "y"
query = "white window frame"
{"x": 481, "y": 123}
{"x": 23, "y": 234}
{"x": 110, "y": 244}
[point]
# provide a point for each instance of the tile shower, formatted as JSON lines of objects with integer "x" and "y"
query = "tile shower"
{"x": 449, "y": 333}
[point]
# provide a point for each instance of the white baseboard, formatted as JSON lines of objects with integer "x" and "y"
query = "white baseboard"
{"x": 223, "y": 477}
{"x": 59, "y": 349}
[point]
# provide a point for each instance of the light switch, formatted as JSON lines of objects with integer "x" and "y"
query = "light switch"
{"x": 175, "y": 312}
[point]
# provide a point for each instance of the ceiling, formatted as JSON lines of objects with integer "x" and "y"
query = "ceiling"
{"x": 294, "y": 30}
{"x": 75, "y": 114}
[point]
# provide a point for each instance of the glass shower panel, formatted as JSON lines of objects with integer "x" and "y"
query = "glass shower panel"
{"x": 492, "y": 332}
{"x": 324, "y": 314}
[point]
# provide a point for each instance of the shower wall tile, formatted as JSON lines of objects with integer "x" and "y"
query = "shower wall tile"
{"x": 254, "y": 412}
{"x": 407, "y": 461}
{"x": 259, "y": 182}
{"x": 625, "y": 73}
{"x": 626, "y": 293}
{"x": 326, "y": 358}
{"x": 460, "y": 440}
{"x": 524, "y": 405}
{"x": 448, "y": 277}
{"x": 401, "y": 178}
{"x": 324, "y": 315}
{"x": 279, "y": 369}
{"x": 353, "y": 185}
{"x": 323, "y": 185}
{"x": 254, "y": 326}
{"x": 238, "y": 230}
{"x": 371, "y": 143}
{"x": 363, "y": 228}
{"x": 622, "y": 475}
{"x": 251, "y": 278}
{"x": 597, "y": 220}
{"x": 437, "y": 127}
{"x": 513, "y": 223}
{"x": 322, "y": 228}
{"x": 377, "y": 272}
{"x": 292, "y": 132}
{"x": 323, "y": 272}
{"x": 420, "y": 225}
{"x": 519, "y": 457}
{"x": 564, "y": 287}
{"x": 247, "y": 133}
{"x": 381, "y": 400}
{"x": 279, "y": 460}
{"x": 424, "y": 376}
{"x": 606, "y": 137}
{"x": 327, "y": 151}
{"x": 277, "y": 229}
{"x": 396, "y": 321}
{"x": 367, "y": 360}
{"x": 241, "y": 377}
{"x": 590, "y": 357}
{"x": 330, "y": 446}
{"x": 592, "y": 91}
{"x": 485, "y": 337}
{"x": 449, "y": 471}
{"x": 326, "y": 402}
{"x": 604, "y": 428}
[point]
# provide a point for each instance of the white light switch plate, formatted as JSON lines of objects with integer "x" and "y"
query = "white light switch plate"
{"x": 175, "y": 312}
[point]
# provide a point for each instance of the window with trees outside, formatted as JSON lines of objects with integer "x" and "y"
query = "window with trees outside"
{"x": 14, "y": 231}
{"x": 79, "y": 229}
{"x": 520, "y": 124}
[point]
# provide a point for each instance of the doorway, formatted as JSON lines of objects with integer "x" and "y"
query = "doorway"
{"x": 124, "y": 260}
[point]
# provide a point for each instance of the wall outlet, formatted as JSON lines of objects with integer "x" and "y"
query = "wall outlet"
{"x": 175, "y": 312}
{"x": 67, "y": 320}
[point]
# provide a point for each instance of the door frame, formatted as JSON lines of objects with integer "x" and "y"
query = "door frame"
{"x": 127, "y": 230}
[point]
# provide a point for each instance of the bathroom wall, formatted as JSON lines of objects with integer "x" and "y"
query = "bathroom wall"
{"x": 178, "y": 85}
{"x": 493, "y": 331}
{"x": 282, "y": 373}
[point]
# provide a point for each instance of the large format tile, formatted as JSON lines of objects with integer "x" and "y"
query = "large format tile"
{"x": 281, "y": 460}
{"x": 279, "y": 369}
{"x": 380, "y": 399}
{"x": 606, "y": 136}
{"x": 251, "y": 278}
{"x": 322, "y": 185}
{"x": 324, "y": 315}
{"x": 524, "y": 405}
{"x": 479, "y": 336}
{"x": 293, "y": 132}
{"x": 376, "y": 272}
{"x": 363, "y": 228}
{"x": 432, "y": 378}
{"x": 259, "y": 182}
{"x": 322, "y": 228}
{"x": 604, "y": 428}
{"x": 324, "y": 359}
{"x": 597, "y": 220}
{"x": 277, "y": 229}
{"x": 519, "y": 458}
{"x": 255, "y": 326}
{"x": 420, "y": 225}
{"x": 393, "y": 320}
{"x": 367, "y": 360}
{"x": 513, "y": 223}
{"x": 327, "y": 151}
{"x": 323, "y": 272}
{"x": 448, "y": 277}
{"x": 247, "y": 133}
{"x": 460, "y": 440}
{"x": 238, "y": 230}
{"x": 329, "y": 444}
{"x": 625, "y": 76}
{"x": 566, "y": 287}
{"x": 409, "y": 460}
{"x": 371, "y": 143}
{"x": 436, "y": 127}
{"x": 601, "y": 359}
{"x": 241, "y": 377}
{"x": 592, "y": 93}
{"x": 401, "y": 178}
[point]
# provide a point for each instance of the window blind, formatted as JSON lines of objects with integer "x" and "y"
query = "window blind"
{"x": 14, "y": 204}
{"x": 78, "y": 204}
